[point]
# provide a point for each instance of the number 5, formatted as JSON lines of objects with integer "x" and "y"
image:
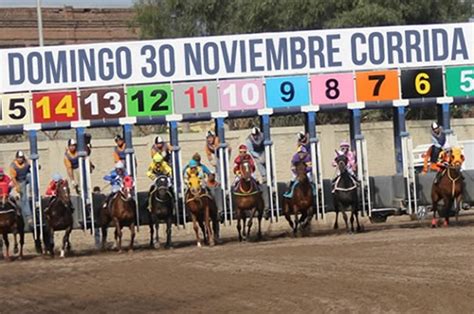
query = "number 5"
{"x": 466, "y": 78}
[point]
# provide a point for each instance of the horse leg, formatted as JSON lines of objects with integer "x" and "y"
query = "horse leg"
{"x": 259, "y": 217}
{"x": 286, "y": 210}
{"x": 7, "y": 246}
{"x": 356, "y": 214}
{"x": 239, "y": 225}
{"x": 22, "y": 242}
{"x": 157, "y": 227}
{"x": 118, "y": 235}
{"x": 336, "y": 226}
{"x": 51, "y": 242}
{"x": 448, "y": 203}
{"x": 196, "y": 230}
{"x": 132, "y": 236}
{"x": 15, "y": 245}
{"x": 344, "y": 215}
{"x": 104, "y": 236}
{"x": 458, "y": 200}
{"x": 295, "y": 212}
{"x": 207, "y": 220}
{"x": 169, "y": 224}
{"x": 435, "y": 200}
{"x": 65, "y": 241}
{"x": 203, "y": 230}
{"x": 250, "y": 223}
{"x": 152, "y": 230}
{"x": 244, "y": 228}
{"x": 352, "y": 221}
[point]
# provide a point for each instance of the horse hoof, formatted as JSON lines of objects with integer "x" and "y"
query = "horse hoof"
{"x": 130, "y": 251}
{"x": 15, "y": 250}
{"x": 62, "y": 255}
{"x": 446, "y": 224}
{"x": 198, "y": 244}
{"x": 120, "y": 251}
{"x": 168, "y": 246}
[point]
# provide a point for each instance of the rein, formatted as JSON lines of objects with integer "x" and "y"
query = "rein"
{"x": 453, "y": 180}
{"x": 336, "y": 188}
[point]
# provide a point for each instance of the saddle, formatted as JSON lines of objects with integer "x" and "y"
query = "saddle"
{"x": 289, "y": 193}
{"x": 239, "y": 190}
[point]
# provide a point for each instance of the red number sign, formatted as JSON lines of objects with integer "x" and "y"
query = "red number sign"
{"x": 55, "y": 107}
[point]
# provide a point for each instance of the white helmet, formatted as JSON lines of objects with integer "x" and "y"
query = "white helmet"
{"x": 159, "y": 140}
{"x": 119, "y": 165}
{"x": 301, "y": 135}
{"x": 434, "y": 125}
{"x": 255, "y": 130}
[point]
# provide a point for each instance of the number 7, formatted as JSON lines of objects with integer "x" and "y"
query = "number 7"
{"x": 379, "y": 79}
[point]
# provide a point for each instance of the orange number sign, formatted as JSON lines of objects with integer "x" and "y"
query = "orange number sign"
{"x": 377, "y": 85}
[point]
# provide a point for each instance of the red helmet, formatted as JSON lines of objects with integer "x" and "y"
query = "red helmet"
{"x": 242, "y": 148}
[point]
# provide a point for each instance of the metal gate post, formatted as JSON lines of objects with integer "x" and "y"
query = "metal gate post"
{"x": 127, "y": 126}
{"x": 178, "y": 185}
{"x": 444, "y": 117}
{"x": 399, "y": 127}
{"x": 36, "y": 208}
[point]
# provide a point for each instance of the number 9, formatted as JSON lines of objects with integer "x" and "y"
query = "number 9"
{"x": 287, "y": 89}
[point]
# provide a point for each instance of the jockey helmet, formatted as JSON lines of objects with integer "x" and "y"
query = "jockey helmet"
{"x": 193, "y": 163}
{"x": 344, "y": 144}
{"x": 197, "y": 157}
{"x": 302, "y": 149}
{"x": 159, "y": 140}
{"x": 301, "y": 135}
{"x": 157, "y": 158}
{"x": 243, "y": 148}
{"x": 119, "y": 165}
{"x": 71, "y": 142}
{"x": 20, "y": 154}
{"x": 57, "y": 177}
{"x": 434, "y": 125}
{"x": 118, "y": 137}
{"x": 210, "y": 133}
{"x": 255, "y": 130}
{"x": 447, "y": 147}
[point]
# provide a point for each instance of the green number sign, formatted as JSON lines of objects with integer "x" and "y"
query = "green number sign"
{"x": 460, "y": 81}
{"x": 149, "y": 100}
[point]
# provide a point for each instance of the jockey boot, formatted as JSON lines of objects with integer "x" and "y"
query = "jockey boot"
{"x": 438, "y": 177}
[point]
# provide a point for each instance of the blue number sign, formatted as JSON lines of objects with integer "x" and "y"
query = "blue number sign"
{"x": 288, "y": 91}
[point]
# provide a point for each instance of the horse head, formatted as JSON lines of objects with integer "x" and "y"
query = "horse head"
{"x": 300, "y": 168}
{"x": 456, "y": 158}
{"x": 127, "y": 187}
{"x": 246, "y": 170}
{"x": 341, "y": 161}
{"x": 161, "y": 183}
{"x": 194, "y": 184}
{"x": 63, "y": 192}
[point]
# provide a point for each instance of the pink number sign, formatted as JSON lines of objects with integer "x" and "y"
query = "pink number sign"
{"x": 332, "y": 88}
{"x": 241, "y": 94}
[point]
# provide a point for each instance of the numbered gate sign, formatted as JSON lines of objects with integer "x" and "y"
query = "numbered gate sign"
{"x": 420, "y": 83}
{"x": 460, "y": 81}
{"x": 149, "y": 100}
{"x": 15, "y": 109}
{"x": 241, "y": 94}
{"x": 377, "y": 85}
{"x": 55, "y": 107}
{"x": 287, "y": 91}
{"x": 196, "y": 97}
{"x": 102, "y": 103}
{"x": 332, "y": 88}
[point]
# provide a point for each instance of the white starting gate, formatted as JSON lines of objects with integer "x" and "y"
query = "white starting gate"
{"x": 316, "y": 170}
{"x": 363, "y": 174}
{"x": 409, "y": 174}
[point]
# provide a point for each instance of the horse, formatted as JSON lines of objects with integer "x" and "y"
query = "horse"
{"x": 122, "y": 212}
{"x": 58, "y": 216}
{"x": 248, "y": 200}
{"x": 345, "y": 194}
{"x": 302, "y": 200}
{"x": 11, "y": 221}
{"x": 449, "y": 188}
{"x": 162, "y": 207}
{"x": 203, "y": 209}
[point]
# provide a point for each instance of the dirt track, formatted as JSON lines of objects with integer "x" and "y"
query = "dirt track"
{"x": 395, "y": 267}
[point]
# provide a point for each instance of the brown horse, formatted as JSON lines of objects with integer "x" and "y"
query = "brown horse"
{"x": 161, "y": 209}
{"x": 345, "y": 194}
{"x": 301, "y": 201}
{"x": 248, "y": 200}
{"x": 449, "y": 188}
{"x": 11, "y": 221}
{"x": 203, "y": 209}
{"x": 59, "y": 217}
{"x": 122, "y": 212}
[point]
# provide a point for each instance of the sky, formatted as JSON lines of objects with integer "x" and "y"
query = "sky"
{"x": 74, "y": 3}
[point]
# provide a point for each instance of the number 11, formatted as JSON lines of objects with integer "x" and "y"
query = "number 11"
{"x": 192, "y": 99}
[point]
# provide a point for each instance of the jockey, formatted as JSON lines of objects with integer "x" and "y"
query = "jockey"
{"x": 5, "y": 186}
{"x": 212, "y": 145}
{"x": 303, "y": 140}
{"x": 301, "y": 155}
{"x": 444, "y": 160}
{"x": 256, "y": 147}
{"x": 194, "y": 170}
{"x": 204, "y": 168}
{"x": 438, "y": 140}
{"x": 51, "y": 189}
{"x": 115, "y": 178}
{"x": 157, "y": 167}
{"x": 163, "y": 148}
{"x": 243, "y": 156}
{"x": 344, "y": 149}
{"x": 20, "y": 175}
{"x": 71, "y": 161}
{"x": 119, "y": 150}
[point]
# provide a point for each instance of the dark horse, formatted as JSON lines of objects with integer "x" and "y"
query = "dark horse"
{"x": 345, "y": 194}
{"x": 59, "y": 217}
{"x": 161, "y": 209}
{"x": 301, "y": 201}
{"x": 11, "y": 221}
{"x": 122, "y": 212}
{"x": 248, "y": 200}
{"x": 449, "y": 188}
{"x": 203, "y": 209}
